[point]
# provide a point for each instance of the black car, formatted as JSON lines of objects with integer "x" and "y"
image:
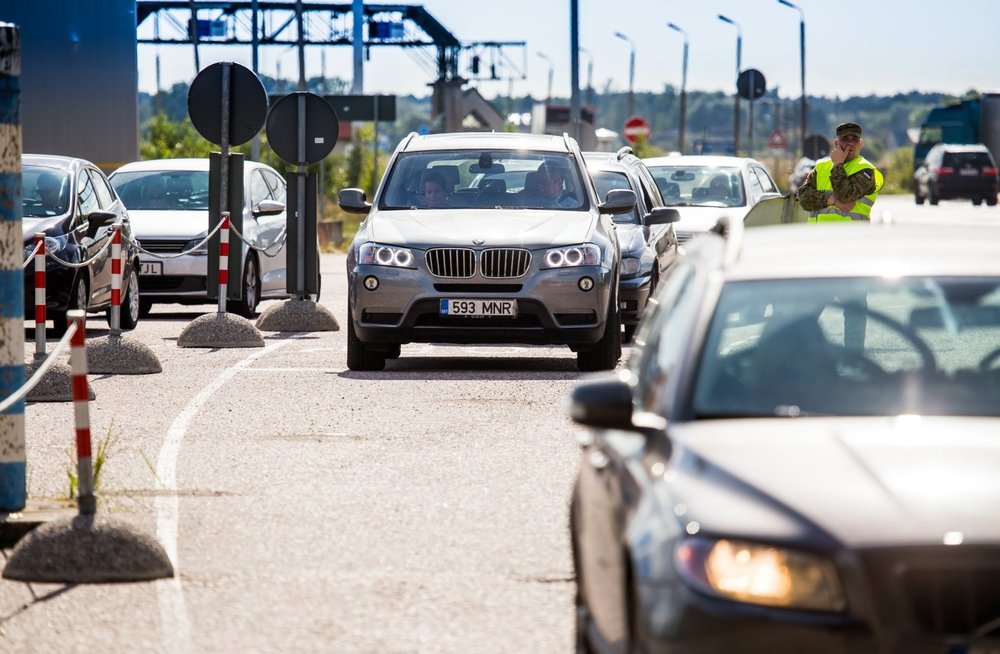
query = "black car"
{"x": 70, "y": 201}
{"x": 802, "y": 455}
{"x": 951, "y": 171}
{"x": 646, "y": 235}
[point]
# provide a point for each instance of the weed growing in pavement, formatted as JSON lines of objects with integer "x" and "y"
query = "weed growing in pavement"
{"x": 99, "y": 459}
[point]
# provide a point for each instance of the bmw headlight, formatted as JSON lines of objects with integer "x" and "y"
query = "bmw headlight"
{"x": 761, "y": 574}
{"x": 629, "y": 266}
{"x": 385, "y": 255}
{"x": 587, "y": 254}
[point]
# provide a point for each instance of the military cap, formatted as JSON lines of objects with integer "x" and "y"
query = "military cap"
{"x": 844, "y": 129}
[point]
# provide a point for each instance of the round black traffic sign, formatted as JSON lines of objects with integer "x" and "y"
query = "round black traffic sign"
{"x": 816, "y": 146}
{"x": 247, "y": 103}
{"x": 321, "y": 130}
{"x": 751, "y": 84}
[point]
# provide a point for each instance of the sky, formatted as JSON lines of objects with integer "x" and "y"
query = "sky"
{"x": 852, "y": 47}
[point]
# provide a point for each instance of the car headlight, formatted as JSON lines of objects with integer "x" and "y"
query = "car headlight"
{"x": 576, "y": 255}
{"x": 630, "y": 266}
{"x": 385, "y": 255}
{"x": 189, "y": 247}
{"x": 761, "y": 574}
{"x": 51, "y": 245}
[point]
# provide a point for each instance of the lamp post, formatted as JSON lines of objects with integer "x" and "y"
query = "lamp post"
{"x": 590, "y": 76}
{"x": 684, "y": 75}
{"x": 548, "y": 97}
{"x": 736, "y": 101}
{"x": 631, "y": 71}
{"x": 802, "y": 64}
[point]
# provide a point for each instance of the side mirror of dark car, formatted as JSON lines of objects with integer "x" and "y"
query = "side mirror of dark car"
{"x": 618, "y": 201}
{"x": 268, "y": 208}
{"x": 662, "y": 216}
{"x": 98, "y": 219}
{"x": 352, "y": 200}
{"x": 604, "y": 402}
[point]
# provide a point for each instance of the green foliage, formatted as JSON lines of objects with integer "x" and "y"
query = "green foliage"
{"x": 99, "y": 459}
{"x": 897, "y": 168}
{"x": 168, "y": 140}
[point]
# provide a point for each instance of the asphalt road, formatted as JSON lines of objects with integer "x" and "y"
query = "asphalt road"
{"x": 309, "y": 508}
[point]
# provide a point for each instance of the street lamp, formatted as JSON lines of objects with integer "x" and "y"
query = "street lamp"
{"x": 736, "y": 101}
{"x": 684, "y": 75}
{"x": 590, "y": 76}
{"x": 548, "y": 98}
{"x": 802, "y": 63}
{"x": 631, "y": 71}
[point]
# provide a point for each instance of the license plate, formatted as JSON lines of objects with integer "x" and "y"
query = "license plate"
{"x": 151, "y": 268}
{"x": 479, "y": 308}
{"x": 968, "y": 172}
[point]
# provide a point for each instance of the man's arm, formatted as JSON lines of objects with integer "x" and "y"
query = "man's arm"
{"x": 851, "y": 188}
{"x": 811, "y": 198}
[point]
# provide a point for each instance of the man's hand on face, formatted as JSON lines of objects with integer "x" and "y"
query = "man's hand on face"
{"x": 840, "y": 152}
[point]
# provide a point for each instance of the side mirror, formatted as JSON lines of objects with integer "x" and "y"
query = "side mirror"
{"x": 618, "y": 201}
{"x": 268, "y": 208}
{"x": 352, "y": 200}
{"x": 98, "y": 219}
{"x": 604, "y": 402}
{"x": 662, "y": 216}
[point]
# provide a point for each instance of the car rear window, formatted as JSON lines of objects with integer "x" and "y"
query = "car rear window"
{"x": 695, "y": 186}
{"x": 967, "y": 159}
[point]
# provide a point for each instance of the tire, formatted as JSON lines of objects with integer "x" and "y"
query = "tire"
{"x": 394, "y": 351}
{"x": 581, "y": 617}
{"x": 977, "y": 201}
{"x": 131, "y": 306}
{"x": 604, "y": 355}
{"x": 932, "y": 197}
{"x": 629, "y": 333}
{"x": 250, "y": 292}
{"x": 145, "y": 307}
{"x": 360, "y": 357}
{"x": 78, "y": 299}
{"x": 919, "y": 199}
{"x": 991, "y": 200}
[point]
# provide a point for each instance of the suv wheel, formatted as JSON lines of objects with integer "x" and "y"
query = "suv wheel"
{"x": 604, "y": 356}
{"x": 991, "y": 200}
{"x": 359, "y": 357}
{"x": 977, "y": 201}
{"x": 932, "y": 197}
{"x": 917, "y": 197}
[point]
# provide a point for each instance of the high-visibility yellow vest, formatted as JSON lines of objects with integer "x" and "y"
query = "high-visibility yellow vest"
{"x": 862, "y": 209}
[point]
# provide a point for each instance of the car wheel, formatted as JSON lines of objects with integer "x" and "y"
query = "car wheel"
{"x": 360, "y": 357}
{"x": 78, "y": 299}
{"x": 130, "y": 309}
{"x": 247, "y": 307}
{"x": 919, "y": 199}
{"x": 604, "y": 356}
{"x": 629, "y": 333}
{"x": 932, "y": 197}
{"x": 977, "y": 201}
{"x": 991, "y": 200}
{"x": 145, "y": 307}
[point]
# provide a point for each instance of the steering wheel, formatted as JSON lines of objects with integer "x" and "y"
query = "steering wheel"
{"x": 907, "y": 332}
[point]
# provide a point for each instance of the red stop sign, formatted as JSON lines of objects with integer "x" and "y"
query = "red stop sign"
{"x": 636, "y": 129}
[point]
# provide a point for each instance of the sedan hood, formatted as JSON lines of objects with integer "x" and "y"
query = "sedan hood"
{"x": 530, "y": 229}
{"x": 701, "y": 219}
{"x": 865, "y": 481}
{"x": 168, "y": 224}
{"x": 48, "y": 226}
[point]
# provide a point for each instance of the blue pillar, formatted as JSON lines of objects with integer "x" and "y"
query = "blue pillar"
{"x": 13, "y": 485}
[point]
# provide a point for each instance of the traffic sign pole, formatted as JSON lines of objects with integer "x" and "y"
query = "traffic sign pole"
{"x": 224, "y": 182}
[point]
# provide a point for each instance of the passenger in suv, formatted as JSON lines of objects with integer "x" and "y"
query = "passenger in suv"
{"x": 953, "y": 171}
{"x": 494, "y": 265}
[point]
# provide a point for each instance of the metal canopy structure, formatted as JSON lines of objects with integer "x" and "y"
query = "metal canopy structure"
{"x": 238, "y": 22}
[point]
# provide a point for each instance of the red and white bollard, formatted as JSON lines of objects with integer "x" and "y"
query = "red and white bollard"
{"x": 116, "y": 281}
{"x": 223, "y": 261}
{"x": 40, "y": 296}
{"x": 86, "y": 501}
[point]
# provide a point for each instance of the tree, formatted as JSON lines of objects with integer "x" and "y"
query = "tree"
{"x": 169, "y": 140}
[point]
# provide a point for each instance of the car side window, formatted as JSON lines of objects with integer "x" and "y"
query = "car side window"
{"x": 105, "y": 196}
{"x": 86, "y": 196}
{"x": 766, "y": 183}
{"x": 650, "y": 187}
{"x": 666, "y": 338}
{"x": 756, "y": 190}
{"x": 277, "y": 185}
{"x": 259, "y": 190}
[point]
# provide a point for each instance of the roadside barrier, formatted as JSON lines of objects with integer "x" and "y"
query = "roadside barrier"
{"x": 87, "y": 548}
{"x": 46, "y": 364}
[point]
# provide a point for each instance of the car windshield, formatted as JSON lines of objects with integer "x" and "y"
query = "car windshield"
{"x": 699, "y": 186}
{"x": 45, "y": 191}
{"x": 484, "y": 179}
{"x": 866, "y": 346}
{"x": 167, "y": 190}
{"x": 609, "y": 180}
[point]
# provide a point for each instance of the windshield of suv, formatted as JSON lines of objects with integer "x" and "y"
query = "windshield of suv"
{"x": 46, "y": 191}
{"x": 609, "y": 180}
{"x": 167, "y": 190}
{"x": 484, "y": 179}
{"x": 869, "y": 346}
{"x": 699, "y": 186}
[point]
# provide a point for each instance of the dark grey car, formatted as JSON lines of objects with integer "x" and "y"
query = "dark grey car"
{"x": 645, "y": 234}
{"x": 802, "y": 456}
{"x": 485, "y": 238}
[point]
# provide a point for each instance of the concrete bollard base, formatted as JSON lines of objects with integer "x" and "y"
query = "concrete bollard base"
{"x": 55, "y": 386}
{"x": 87, "y": 549}
{"x": 298, "y": 316}
{"x": 121, "y": 356}
{"x": 220, "y": 330}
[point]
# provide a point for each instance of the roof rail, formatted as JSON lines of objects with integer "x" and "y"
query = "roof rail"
{"x": 624, "y": 152}
{"x": 732, "y": 230}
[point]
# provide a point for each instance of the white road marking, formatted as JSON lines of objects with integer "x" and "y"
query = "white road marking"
{"x": 173, "y": 612}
